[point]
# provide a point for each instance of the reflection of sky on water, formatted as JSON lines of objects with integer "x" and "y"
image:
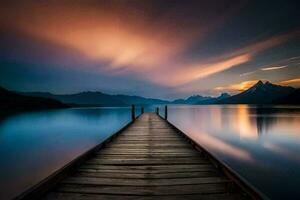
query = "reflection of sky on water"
{"x": 261, "y": 143}
{"x": 33, "y": 145}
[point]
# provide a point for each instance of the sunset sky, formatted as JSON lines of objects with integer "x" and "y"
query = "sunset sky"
{"x": 165, "y": 49}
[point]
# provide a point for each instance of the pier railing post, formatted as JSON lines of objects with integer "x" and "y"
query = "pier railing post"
{"x": 166, "y": 112}
{"x": 157, "y": 110}
{"x": 132, "y": 112}
{"x": 142, "y": 110}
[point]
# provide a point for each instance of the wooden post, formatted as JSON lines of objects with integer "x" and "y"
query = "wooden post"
{"x": 166, "y": 112}
{"x": 142, "y": 110}
{"x": 157, "y": 110}
{"x": 132, "y": 112}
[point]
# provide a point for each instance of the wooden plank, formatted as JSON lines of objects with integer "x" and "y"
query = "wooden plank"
{"x": 78, "y": 196}
{"x": 145, "y": 161}
{"x": 133, "y": 139}
{"x": 149, "y": 144}
{"x": 152, "y": 171}
{"x": 149, "y": 169}
{"x": 150, "y": 190}
{"x": 164, "y": 137}
{"x": 184, "y": 150}
{"x": 149, "y": 139}
{"x": 146, "y": 136}
{"x": 150, "y": 147}
{"x": 141, "y": 140}
{"x": 87, "y": 180}
{"x": 168, "y": 167}
{"x": 146, "y": 175}
{"x": 181, "y": 154}
{"x": 162, "y": 156}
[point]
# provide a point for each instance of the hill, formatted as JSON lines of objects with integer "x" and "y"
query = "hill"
{"x": 214, "y": 99}
{"x": 293, "y": 98}
{"x": 11, "y": 101}
{"x": 191, "y": 100}
{"x": 98, "y": 99}
{"x": 260, "y": 93}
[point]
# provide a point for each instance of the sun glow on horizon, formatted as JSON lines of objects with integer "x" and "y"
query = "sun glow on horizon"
{"x": 239, "y": 87}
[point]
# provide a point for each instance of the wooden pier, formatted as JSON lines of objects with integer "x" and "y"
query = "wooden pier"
{"x": 149, "y": 159}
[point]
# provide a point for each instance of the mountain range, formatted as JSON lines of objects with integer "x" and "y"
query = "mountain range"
{"x": 12, "y": 101}
{"x": 191, "y": 100}
{"x": 293, "y": 98}
{"x": 260, "y": 93}
{"x": 198, "y": 99}
{"x": 98, "y": 99}
{"x": 102, "y": 99}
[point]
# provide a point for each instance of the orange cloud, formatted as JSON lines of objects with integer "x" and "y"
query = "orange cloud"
{"x": 292, "y": 82}
{"x": 190, "y": 73}
{"x": 127, "y": 39}
{"x": 239, "y": 87}
{"x": 187, "y": 72}
{"x": 120, "y": 36}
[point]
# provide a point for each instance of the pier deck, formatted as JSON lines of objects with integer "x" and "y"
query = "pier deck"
{"x": 147, "y": 160}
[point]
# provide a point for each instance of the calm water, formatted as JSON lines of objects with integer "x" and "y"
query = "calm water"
{"x": 261, "y": 143}
{"x": 34, "y": 145}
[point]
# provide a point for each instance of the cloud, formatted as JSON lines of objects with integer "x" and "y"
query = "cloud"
{"x": 291, "y": 82}
{"x": 273, "y": 68}
{"x": 242, "y": 86}
{"x": 278, "y": 65}
{"x": 188, "y": 72}
{"x": 184, "y": 73}
{"x": 238, "y": 87}
{"x": 248, "y": 73}
{"x": 263, "y": 69}
{"x": 123, "y": 35}
{"x": 131, "y": 39}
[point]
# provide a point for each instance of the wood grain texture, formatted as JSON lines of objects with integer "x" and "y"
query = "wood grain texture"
{"x": 149, "y": 160}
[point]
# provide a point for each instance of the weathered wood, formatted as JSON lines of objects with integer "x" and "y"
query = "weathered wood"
{"x": 143, "y": 156}
{"x": 142, "y": 110}
{"x": 137, "y": 171}
{"x": 119, "y": 150}
{"x": 133, "y": 112}
{"x": 83, "y": 180}
{"x": 78, "y": 196}
{"x": 149, "y": 154}
{"x": 149, "y": 145}
{"x": 146, "y": 175}
{"x": 149, "y": 190}
{"x": 175, "y": 168}
{"x": 166, "y": 112}
{"x": 145, "y": 161}
{"x": 147, "y": 169}
{"x": 155, "y": 149}
{"x": 148, "y": 160}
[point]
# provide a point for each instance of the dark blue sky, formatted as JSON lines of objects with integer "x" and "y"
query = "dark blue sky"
{"x": 163, "y": 49}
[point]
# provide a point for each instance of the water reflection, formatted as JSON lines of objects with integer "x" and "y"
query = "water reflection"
{"x": 218, "y": 145}
{"x": 33, "y": 145}
{"x": 261, "y": 143}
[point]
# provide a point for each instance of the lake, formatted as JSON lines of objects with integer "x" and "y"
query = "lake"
{"x": 262, "y": 144}
{"x": 33, "y": 145}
